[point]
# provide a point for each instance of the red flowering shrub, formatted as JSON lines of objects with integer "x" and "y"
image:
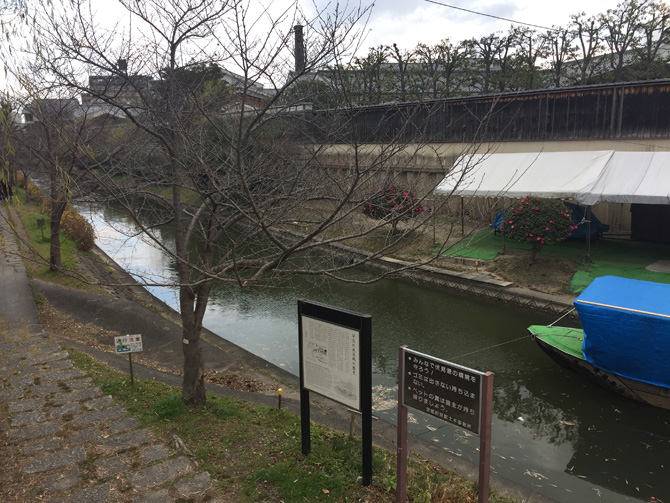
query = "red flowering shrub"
{"x": 537, "y": 221}
{"x": 392, "y": 203}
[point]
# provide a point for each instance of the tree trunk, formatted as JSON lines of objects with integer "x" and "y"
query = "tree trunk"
{"x": 193, "y": 385}
{"x": 57, "y": 210}
{"x": 533, "y": 253}
{"x": 192, "y": 313}
{"x": 25, "y": 186}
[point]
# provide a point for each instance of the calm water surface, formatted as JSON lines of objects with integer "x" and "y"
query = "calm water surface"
{"x": 552, "y": 430}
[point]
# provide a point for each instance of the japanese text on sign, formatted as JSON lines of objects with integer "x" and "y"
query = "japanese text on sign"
{"x": 442, "y": 389}
{"x": 128, "y": 344}
{"x": 331, "y": 361}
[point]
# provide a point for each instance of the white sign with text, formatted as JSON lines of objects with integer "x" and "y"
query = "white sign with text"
{"x": 128, "y": 344}
{"x": 331, "y": 361}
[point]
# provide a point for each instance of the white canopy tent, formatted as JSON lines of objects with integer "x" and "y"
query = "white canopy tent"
{"x": 589, "y": 177}
{"x": 631, "y": 177}
{"x": 544, "y": 174}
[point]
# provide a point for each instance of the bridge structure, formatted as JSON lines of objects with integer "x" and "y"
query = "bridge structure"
{"x": 422, "y": 140}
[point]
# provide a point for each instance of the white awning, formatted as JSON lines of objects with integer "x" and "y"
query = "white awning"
{"x": 588, "y": 177}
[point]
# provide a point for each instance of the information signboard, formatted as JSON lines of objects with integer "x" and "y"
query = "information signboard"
{"x": 335, "y": 347}
{"x": 442, "y": 389}
{"x": 331, "y": 361}
{"x": 128, "y": 344}
{"x": 453, "y": 393}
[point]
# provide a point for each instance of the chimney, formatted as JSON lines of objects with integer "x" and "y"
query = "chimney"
{"x": 299, "y": 50}
{"x": 122, "y": 65}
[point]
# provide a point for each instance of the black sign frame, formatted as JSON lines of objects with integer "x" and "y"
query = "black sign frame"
{"x": 362, "y": 324}
{"x": 445, "y": 390}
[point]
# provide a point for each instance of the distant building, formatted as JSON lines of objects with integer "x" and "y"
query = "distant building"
{"x": 135, "y": 91}
{"x": 57, "y": 110}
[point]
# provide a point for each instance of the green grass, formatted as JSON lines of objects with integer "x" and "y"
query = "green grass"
{"x": 254, "y": 452}
{"x": 40, "y": 240}
{"x": 615, "y": 257}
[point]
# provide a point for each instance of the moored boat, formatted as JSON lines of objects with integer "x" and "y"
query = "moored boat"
{"x": 625, "y": 342}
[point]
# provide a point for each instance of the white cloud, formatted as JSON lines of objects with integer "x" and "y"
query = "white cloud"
{"x": 408, "y": 22}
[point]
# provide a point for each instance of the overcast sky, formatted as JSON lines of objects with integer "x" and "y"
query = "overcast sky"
{"x": 407, "y": 22}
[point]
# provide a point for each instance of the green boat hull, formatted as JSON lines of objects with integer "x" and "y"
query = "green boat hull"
{"x": 564, "y": 346}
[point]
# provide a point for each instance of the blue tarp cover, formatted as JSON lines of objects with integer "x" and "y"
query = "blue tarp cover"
{"x": 627, "y": 328}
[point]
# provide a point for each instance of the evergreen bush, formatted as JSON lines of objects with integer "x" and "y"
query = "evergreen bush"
{"x": 538, "y": 221}
{"x": 393, "y": 203}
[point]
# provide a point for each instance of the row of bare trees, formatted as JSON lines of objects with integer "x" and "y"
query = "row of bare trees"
{"x": 142, "y": 113}
{"x": 629, "y": 42}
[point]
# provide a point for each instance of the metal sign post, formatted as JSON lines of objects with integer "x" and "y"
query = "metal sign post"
{"x": 128, "y": 344}
{"x": 450, "y": 392}
{"x": 336, "y": 362}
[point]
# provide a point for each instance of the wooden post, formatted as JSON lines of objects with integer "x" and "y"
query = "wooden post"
{"x": 305, "y": 431}
{"x": 401, "y": 472}
{"x": 366, "y": 399}
{"x": 130, "y": 362}
{"x": 485, "y": 437}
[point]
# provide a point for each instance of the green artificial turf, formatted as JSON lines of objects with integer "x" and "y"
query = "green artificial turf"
{"x": 615, "y": 257}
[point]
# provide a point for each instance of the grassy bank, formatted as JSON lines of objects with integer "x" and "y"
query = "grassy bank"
{"x": 36, "y": 250}
{"x": 254, "y": 452}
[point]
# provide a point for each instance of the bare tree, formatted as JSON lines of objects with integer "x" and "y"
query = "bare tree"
{"x": 443, "y": 67}
{"x": 402, "y": 59}
{"x": 559, "y": 44}
{"x": 368, "y": 80}
{"x": 587, "y": 32}
{"x": 622, "y": 34}
{"x": 529, "y": 48}
{"x": 655, "y": 35}
{"x": 494, "y": 61}
{"x": 249, "y": 187}
{"x": 53, "y": 143}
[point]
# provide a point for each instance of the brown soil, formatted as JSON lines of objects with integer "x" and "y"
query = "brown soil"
{"x": 547, "y": 275}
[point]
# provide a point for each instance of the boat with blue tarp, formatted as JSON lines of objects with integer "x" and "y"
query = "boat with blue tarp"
{"x": 624, "y": 343}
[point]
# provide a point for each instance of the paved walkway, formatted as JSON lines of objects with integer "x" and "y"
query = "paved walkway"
{"x": 62, "y": 439}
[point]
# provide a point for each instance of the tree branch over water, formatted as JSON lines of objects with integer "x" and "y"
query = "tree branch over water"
{"x": 250, "y": 182}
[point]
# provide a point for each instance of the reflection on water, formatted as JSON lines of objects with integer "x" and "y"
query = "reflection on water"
{"x": 552, "y": 431}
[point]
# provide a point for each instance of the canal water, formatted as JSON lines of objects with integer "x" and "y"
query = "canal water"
{"x": 553, "y": 431}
